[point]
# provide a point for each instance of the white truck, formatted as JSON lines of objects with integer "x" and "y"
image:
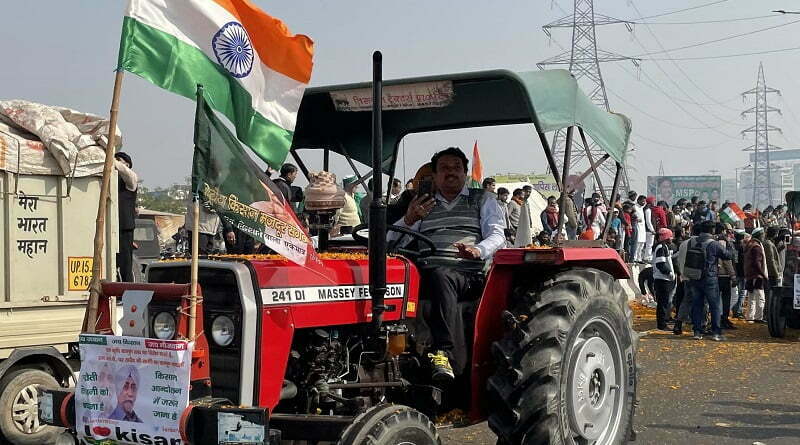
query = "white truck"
{"x": 46, "y": 245}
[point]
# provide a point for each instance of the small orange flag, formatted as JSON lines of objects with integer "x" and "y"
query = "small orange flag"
{"x": 477, "y": 168}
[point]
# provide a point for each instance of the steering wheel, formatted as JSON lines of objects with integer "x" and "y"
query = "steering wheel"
{"x": 394, "y": 245}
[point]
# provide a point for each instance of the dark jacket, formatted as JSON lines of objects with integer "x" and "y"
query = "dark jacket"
{"x": 284, "y": 187}
{"x": 714, "y": 253}
{"x": 754, "y": 260}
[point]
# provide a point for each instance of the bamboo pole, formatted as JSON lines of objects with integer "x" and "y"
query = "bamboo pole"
{"x": 90, "y": 319}
{"x": 194, "y": 272}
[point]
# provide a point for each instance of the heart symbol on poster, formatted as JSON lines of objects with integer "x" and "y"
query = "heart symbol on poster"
{"x": 101, "y": 431}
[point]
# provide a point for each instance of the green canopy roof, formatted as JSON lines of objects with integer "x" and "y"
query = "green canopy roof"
{"x": 551, "y": 100}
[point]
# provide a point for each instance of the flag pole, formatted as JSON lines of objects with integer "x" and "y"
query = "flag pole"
{"x": 195, "y": 258}
{"x": 195, "y": 234}
{"x": 90, "y": 319}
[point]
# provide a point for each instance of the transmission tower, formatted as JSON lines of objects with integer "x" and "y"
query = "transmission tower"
{"x": 584, "y": 63}
{"x": 762, "y": 177}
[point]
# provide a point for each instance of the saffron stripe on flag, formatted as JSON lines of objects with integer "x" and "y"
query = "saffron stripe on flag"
{"x": 278, "y": 48}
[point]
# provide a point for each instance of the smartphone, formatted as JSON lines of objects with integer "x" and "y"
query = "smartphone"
{"x": 788, "y": 239}
{"x": 426, "y": 188}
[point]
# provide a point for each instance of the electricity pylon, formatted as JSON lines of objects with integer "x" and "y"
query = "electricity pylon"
{"x": 584, "y": 61}
{"x": 762, "y": 177}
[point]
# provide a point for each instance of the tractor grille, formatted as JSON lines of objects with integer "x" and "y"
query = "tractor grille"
{"x": 220, "y": 297}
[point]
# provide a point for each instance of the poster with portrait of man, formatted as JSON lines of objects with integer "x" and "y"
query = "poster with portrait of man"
{"x": 673, "y": 188}
{"x": 131, "y": 389}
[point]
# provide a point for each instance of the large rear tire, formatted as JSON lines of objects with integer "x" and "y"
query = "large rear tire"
{"x": 776, "y": 319}
{"x": 566, "y": 373}
{"x": 19, "y": 407}
{"x": 391, "y": 425}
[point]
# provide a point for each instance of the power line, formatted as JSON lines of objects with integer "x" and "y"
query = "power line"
{"x": 679, "y": 147}
{"x": 703, "y": 22}
{"x": 660, "y": 45}
{"x": 683, "y": 10}
{"x": 656, "y": 118}
{"x": 733, "y": 36}
{"x": 725, "y": 56}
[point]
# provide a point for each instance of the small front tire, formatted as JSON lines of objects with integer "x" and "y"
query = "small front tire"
{"x": 19, "y": 405}
{"x": 391, "y": 425}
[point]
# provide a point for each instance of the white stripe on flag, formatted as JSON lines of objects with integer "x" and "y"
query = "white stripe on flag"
{"x": 194, "y": 22}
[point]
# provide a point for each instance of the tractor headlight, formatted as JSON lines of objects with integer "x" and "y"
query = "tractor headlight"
{"x": 222, "y": 330}
{"x": 164, "y": 326}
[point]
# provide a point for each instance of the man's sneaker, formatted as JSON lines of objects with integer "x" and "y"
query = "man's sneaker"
{"x": 442, "y": 371}
{"x": 718, "y": 337}
{"x": 698, "y": 336}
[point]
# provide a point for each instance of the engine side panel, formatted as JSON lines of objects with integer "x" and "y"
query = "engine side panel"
{"x": 295, "y": 298}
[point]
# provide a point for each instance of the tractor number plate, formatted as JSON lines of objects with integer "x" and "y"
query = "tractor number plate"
{"x": 233, "y": 428}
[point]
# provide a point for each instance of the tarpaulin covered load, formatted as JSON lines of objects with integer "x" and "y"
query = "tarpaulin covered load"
{"x": 40, "y": 139}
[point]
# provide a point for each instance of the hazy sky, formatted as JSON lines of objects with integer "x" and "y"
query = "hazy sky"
{"x": 64, "y": 52}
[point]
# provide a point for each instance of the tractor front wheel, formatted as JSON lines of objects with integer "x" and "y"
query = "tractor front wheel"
{"x": 391, "y": 425}
{"x": 566, "y": 370}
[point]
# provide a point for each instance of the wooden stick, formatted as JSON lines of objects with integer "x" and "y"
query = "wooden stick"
{"x": 195, "y": 256}
{"x": 90, "y": 319}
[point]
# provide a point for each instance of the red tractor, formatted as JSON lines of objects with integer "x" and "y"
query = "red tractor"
{"x": 553, "y": 352}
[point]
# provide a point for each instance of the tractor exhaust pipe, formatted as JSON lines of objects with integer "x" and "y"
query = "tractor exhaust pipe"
{"x": 377, "y": 208}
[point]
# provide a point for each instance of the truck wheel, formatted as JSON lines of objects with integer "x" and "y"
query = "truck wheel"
{"x": 776, "y": 319}
{"x": 566, "y": 370}
{"x": 391, "y": 425}
{"x": 19, "y": 407}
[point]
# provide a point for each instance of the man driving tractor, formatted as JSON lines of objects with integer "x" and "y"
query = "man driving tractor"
{"x": 467, "y": 227}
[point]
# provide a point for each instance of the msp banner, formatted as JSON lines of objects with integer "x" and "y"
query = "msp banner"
{"x": 673, "y": 188}
{"x": 230, "y": 183}
{"x": 131, "y": 390}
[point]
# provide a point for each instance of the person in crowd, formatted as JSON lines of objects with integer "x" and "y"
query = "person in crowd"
{"x": 395, "y": 192}
{"x": 630, "y": 236}
{"x": 467, "y": 228}
{"x": 660, "y": 219}
{"x": 701, "y": 213}
{"x": 571, "y": 213}
{"x": 347, "y": 216}
{"x": 288, "y": 174}
{"x": 647, "y": 285}
{"x": 543, "y": 239}
{"x": 127, "y": 187}
{"x": 617, "y": 229}
{"x": 363, "y": 205}
{"x": 664, "y": 276}
{"x": 593, "y": 215}
{"x": 741, "y": 239}
{"x": 712, "y": 207}
{"x": 767, "y": 218}
{"x": 649, "y": 203}
{"x": 726, "y": 278}
{"x": 641, "y": 228}
{"x": 756, "y": 276}
{"x": 502, "y": 199}
{"x": 780, "y": 216}
{"x": 489, "y": 185}
{"x": 549, "y": 216}
{"x": 774, "y": 271}
{"x": 751, "y": 218}
{"x": 705, "y": 289}
{"x": 410, "y": 184}
{"x": 684, "y": 306}
{"x": 515, "y": 209}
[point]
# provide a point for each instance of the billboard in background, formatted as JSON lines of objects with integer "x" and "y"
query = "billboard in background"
{"x": 673, "y": 188}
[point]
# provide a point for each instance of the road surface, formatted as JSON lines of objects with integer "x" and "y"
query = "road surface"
{"x": 743, "y": 391}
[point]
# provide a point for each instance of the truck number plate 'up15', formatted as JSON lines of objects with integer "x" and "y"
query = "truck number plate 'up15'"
{"x": 325, "y": 294}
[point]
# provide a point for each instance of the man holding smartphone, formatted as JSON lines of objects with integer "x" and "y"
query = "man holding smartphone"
{"x": 467, "y": 227}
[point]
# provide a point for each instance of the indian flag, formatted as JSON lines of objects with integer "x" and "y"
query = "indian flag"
{"x": 476, "y": 178}
{"x": 732, "y": 214}
{"x": 254, "y": 71}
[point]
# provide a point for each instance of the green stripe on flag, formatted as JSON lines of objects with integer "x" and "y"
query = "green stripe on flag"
{"x": 175, "y": 66}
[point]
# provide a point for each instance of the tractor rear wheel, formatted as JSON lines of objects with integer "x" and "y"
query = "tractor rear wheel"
{"x": 391, "y": 425}
{"x": 566, "y": 370}
{"x": 776, "y": 319}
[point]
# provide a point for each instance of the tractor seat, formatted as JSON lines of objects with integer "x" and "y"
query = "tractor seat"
{"x": 322, "y": 193}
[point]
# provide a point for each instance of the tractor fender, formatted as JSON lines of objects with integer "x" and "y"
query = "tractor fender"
{"x": 45, "y": 358}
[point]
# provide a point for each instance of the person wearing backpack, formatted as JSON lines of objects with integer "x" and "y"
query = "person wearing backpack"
{"x": 664, "y": 276}
{"x": 756, "y": 276}
{"x": 684, "y": 302}
{"x": 700, "y": 267}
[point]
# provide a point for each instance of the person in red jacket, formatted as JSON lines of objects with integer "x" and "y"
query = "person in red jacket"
{"x": 659, "y": 214}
